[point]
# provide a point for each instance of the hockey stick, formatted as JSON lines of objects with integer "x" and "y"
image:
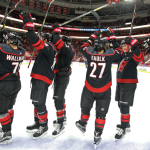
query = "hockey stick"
{"x": 41, "y": 30}
{"x": 8, "y": 1}
{"x": 10, "y": 11}
{"x": 86, "y": 14}
{"x": 134, "y": 14}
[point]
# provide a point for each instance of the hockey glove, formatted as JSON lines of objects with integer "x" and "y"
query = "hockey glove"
{"x": 95, "y": 35}
{"x": 146, "y": 44}
{"x": 27, "y": 20}
{"x": 131, "y": 41}
{"x": 56, "y": 28}
{"x": 3, "y": 33}
{"x": 111, "y": 35}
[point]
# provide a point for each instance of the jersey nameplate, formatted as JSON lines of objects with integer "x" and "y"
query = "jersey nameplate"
{"x": 97, "y": 58}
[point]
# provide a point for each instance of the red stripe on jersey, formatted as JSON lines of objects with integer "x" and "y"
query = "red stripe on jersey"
{"x": 138, "y": 59}
{"x": 4, "y": 76}
{"x": 53, "y": 47}
{"x": 125, "y": 116}
{"x": 12, "y": 53}
{"x": 127, "y": 80}
{"x": 57, "y": 42}
{"x": 85, "y": 44}
{"x": 119, "y": 49}
{"x": 41, "y": 46}
{"x": 97, "y": 90}
{"x": 41, "y": 77}
{"x": 55, "y": 70}
{"x": 100, "y": 121}
{"x": 37, "y": 43}
{"x": 60, "y": 45}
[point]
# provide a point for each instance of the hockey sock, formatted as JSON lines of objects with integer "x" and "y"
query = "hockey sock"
{"x": 60, "y": 116}
{"x": 84, "y": 119}
{"x": 125, "y": 118}
{"x": 35, "y": 115}
{"x": 64, "y": 109}
{"x": 99, "y": 125}
{"x": 42, "y": 117}
{"x": 42, "y": 114}
{"x": 11, "y": 113}
{"x": 5, "y": 121}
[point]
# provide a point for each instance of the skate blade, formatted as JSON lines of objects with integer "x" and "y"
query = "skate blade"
{"x": 35, "y": 138}
{"x": 64, "y": 123}
{"x": 55, "y": 136}
{"x": 83, "y": 133}
{"x": 31, "y": 131}
{"x": 95, "y": 146}
{"x": 116, "y": 140}
{"x": 6, "y": 142}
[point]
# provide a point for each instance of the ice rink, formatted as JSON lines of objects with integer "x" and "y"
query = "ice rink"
{"x": 72, "y": 139}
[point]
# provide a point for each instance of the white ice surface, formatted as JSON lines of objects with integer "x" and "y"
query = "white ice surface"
{"x": 72, "y": 139}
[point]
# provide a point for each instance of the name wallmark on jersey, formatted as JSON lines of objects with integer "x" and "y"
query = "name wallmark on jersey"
{"x": 97, "y": 58}
{"x": 15, "y": 58}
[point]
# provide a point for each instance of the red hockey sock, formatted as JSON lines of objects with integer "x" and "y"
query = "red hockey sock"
{"x": 11, "y": 113}
{"x": 60, "y": 115}
{"x": 84, "y": 118}
{"x": 125, "y": 118}
{"x": 5, "y": 122}
{"x": 42, "y": 117}
{"x": 35, "y": 115}
{"x": 99, "y": 124}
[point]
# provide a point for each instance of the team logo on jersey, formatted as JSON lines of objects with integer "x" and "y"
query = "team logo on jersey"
{"x": 123, "y": 63}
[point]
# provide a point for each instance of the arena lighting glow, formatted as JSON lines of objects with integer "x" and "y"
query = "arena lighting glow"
{"x": 77, "y": 29}
{"x": 76, "y": 37}
{"x": 127, "y": 23}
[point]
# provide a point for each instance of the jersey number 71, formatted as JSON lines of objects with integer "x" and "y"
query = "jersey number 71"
{"x": 94, "y": 65}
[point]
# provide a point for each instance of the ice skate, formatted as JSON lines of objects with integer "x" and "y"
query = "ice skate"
{"x": 60, "y": 129}
{"x": 6, "y": 138}
{"x": 127, "y": 129}
{"x": 40, "y": 132}
{"x": 97, "y": 139}
{"x": 33, "y": 128}
{"x": 120, "y": 135}
{"x": 80, "y": 127}
{"x": 55, "y": 122}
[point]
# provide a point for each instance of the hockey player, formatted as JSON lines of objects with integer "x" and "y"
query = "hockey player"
{"x": 126, "y": 79}
{"x": 42, "y": 75}
{"x": 97, "y": 84}
{"x": 63, "y": 71}
{"x": 11, "y": 57}
{"x": 146, "y": 45}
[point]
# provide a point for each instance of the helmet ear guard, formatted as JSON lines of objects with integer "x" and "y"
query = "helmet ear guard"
{"x": 13, "y": 37}
{"x": 47, "y": 36}
{"x": 100, "y": 44}
{"x": 66, "y": 39}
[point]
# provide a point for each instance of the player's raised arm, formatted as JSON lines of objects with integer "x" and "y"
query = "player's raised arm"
{"x": 138, "y": 55}
{"x": 90, "y": 41}
{"x": 28, "y": 25}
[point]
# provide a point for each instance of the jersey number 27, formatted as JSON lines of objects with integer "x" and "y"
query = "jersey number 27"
{"x": 94, "y": 65}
